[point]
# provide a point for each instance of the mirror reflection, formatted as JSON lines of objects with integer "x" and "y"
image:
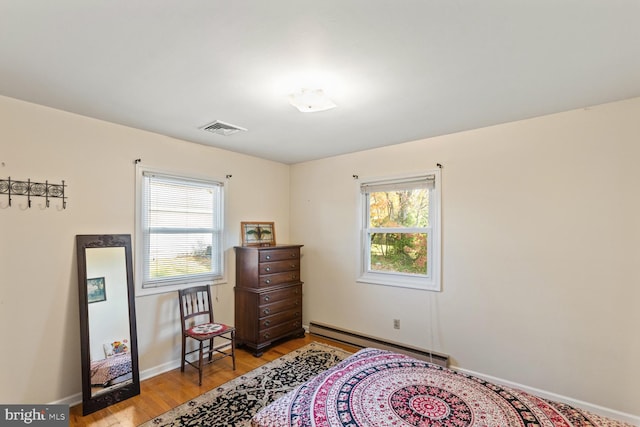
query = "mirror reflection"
{"x": 107, "y": 298}
{"x": 109, "y": 351}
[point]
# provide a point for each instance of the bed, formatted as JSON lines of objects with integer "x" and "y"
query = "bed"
{"x": 111, "y": 370}
{"x": 380, "y": 388}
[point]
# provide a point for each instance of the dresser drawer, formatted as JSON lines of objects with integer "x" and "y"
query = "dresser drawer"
{"x": 279, "y": 254}
{"x": 278, "y": 266}
{"x": 280, "y": 294}
{"x": 269, "y": 280}
{"x": 278, "y": 306}
{"x": 277, "y": 319}
{"x": 280, "y": 330}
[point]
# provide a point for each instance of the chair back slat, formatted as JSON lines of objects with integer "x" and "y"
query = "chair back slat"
{"x": 195, "y": 301}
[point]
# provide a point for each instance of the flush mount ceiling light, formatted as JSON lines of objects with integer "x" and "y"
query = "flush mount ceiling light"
{"x": 311, "y": 100}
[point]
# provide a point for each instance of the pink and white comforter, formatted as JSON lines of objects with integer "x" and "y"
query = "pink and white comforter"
{"x": 379, "y": 388}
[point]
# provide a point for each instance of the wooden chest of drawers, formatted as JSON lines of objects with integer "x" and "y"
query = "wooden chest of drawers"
{"x": 268, "y": 295}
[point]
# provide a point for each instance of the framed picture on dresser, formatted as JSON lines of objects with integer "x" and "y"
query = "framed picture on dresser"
{"x": 257, "y": 233}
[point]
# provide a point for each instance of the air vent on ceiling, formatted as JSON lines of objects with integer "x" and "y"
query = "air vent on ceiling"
{"x": 222, "y": 128}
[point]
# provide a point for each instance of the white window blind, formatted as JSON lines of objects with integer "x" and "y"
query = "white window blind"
{"x": 181, "y": 223}
{"x": 418, "y": 182}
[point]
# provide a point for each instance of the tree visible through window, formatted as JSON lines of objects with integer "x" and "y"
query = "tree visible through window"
{"x": 400, "y": 227}
{"x": 392, "y": 248}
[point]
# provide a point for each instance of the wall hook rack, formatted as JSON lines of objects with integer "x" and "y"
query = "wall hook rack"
{"x": 31, "y": 189}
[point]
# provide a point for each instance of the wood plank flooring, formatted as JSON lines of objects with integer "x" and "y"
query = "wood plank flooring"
{"x": 166, "y": 391}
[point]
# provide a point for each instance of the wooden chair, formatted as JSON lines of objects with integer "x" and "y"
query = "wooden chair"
{"x": 196, "y": 313}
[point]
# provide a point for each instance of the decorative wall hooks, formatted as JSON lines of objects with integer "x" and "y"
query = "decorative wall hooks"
{"x": 31, "y": 189}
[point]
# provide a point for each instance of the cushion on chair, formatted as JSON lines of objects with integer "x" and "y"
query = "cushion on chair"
{"x": 207, "y": 329}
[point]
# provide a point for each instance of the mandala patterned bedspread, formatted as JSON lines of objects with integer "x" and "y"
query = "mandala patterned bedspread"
{"x": 380, "y": 388}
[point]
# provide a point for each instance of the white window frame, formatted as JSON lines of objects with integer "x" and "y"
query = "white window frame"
{"x": 158, "y": 287}
{"x": 428, "y": 282}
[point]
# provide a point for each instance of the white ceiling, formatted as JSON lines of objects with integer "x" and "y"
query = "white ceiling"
{"x": 399, "y": 70}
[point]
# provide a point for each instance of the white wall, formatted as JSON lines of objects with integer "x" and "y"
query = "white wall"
{"x": 38, "y": 270}
{"x": 541, "y": 251}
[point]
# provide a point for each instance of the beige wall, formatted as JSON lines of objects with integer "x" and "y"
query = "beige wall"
{"x": 38, "y": 273}
{"x": 541, "y": 252}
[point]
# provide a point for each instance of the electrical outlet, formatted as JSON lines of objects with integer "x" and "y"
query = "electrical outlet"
{"x": 396, "y": 323}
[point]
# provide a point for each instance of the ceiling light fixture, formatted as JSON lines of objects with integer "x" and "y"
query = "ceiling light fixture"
{"x": 311, "y": 100}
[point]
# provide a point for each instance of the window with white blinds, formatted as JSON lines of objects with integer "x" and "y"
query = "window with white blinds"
{"x": 180, "y": 230}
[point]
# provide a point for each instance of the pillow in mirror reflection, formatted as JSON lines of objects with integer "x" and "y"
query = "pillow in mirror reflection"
{"x": 116, "y": 347}
{"x": 207, "y": 328}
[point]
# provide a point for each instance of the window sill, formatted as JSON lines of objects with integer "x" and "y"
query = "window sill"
{"x": 400, "y": 281}
{"x": 156, "y": 290}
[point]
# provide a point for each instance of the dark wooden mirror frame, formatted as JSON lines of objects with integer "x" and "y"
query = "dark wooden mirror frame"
{"x": 102, "y": 400}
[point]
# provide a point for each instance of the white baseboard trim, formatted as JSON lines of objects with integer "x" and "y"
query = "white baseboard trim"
{"x": 160, "y": 369}
{"x": 596, "y": 409}
{"x": 72, "y": 400}
{"x": 76, "y": 399}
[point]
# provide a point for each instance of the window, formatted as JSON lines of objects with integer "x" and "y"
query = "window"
{"x": 401, "y": 231}
{"x": 179, "y": 236}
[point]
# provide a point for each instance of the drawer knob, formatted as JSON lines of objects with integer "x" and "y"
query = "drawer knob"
{"x": 297, "y": 313}
{"x": 267, "y": 311}
{"x": 268, "y": 281}
{"x": 293, "y": 266}
{"x": 267, "y": 323}
{"x": 293, "y": 254}
{"x": 293, "y": 276}
{"x": 268, "y": 257}
{"x": 267, "y": 269}
{"x": 267, "y": 298}
{"x": 267, "y": 336}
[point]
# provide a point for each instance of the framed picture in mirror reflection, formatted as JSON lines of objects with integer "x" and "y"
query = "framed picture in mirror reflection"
{"x": 96, "y": 291}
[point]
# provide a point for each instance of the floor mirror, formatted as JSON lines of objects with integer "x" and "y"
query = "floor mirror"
{"x": 109, "y": 346}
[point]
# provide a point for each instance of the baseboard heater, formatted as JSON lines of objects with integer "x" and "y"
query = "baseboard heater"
{"x": 357, "y": 339}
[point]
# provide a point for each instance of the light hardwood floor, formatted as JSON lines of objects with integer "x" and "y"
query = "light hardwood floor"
{"x": 166, "y": 391}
